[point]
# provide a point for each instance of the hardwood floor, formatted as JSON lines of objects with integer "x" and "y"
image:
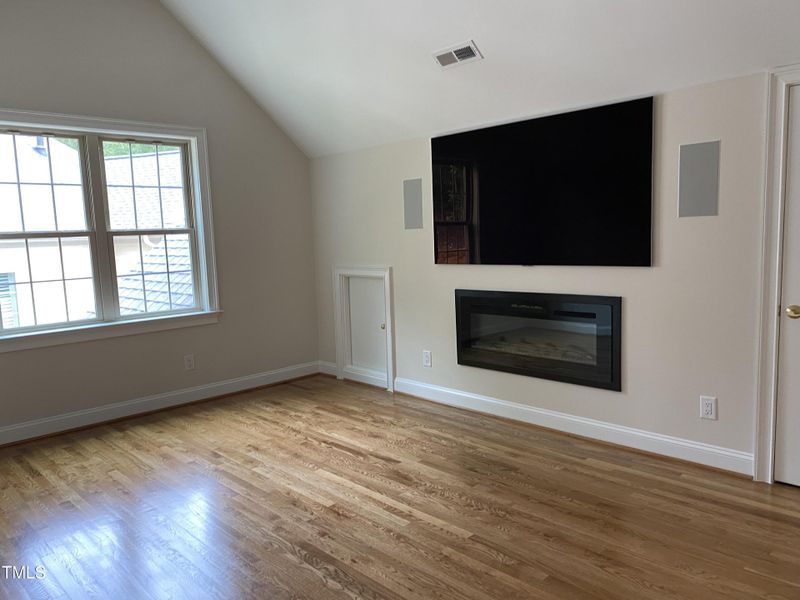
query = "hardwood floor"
{"x": 321, "y": 489}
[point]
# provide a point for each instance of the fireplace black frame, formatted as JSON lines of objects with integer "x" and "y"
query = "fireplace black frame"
{"x": 606, "y": 311}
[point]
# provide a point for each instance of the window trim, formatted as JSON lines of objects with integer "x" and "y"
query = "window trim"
{"x": 103, "y": 227}
{"x": 208, "y": 310}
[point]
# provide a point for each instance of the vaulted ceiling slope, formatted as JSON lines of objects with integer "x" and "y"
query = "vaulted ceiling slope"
{"x": 348, "y": 74}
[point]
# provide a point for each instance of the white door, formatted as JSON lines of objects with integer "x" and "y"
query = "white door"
{"x": 367, "y": 330}
{"x": 787, "y": 435}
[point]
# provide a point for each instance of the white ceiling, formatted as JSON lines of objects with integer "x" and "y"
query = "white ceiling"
{"x": 347, "y": 74}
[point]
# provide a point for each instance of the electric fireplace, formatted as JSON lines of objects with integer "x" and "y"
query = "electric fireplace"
{"x": 563, "y": 337}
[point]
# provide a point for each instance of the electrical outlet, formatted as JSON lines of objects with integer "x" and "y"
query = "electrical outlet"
{"x": 708, "y": 407}
{"x": 426, "y": 358}
{"x": 188, "y": 362}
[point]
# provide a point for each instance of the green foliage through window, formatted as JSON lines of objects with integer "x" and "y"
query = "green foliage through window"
{"x": 114, "y": 148}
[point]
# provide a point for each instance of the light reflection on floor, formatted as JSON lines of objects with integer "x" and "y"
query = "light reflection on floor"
{"x": 159, "y": 540}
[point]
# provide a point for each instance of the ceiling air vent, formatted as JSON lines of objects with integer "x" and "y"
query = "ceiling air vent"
{"x": 458, "y": 54}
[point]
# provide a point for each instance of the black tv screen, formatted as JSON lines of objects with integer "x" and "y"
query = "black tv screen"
{"x": 566, "y": 189}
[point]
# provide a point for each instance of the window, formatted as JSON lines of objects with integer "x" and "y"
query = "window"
{"x": 150, "y": 226}
{"x": 101, "y": 227}
{"x": 453, "y": 223}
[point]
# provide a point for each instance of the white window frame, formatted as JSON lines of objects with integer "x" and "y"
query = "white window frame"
{"x": 92, "y": 129}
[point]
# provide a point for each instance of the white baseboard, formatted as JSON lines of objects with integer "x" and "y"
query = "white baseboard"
{"x": 82, "y": 418}
{"x": 706, "y": 454}
{"x": 327, "y": 367}
{"x": 368, "y": 376}
{"x": 354, "y": 373}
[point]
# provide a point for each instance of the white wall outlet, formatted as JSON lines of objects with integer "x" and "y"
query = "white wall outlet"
{"x": 426, "y": 358}
{"x": 708, "y": 407}
{"x": 188, "y": 362}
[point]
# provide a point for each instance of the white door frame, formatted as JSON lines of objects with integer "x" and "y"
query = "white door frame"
{"x": 341, "y": 291}
{"x": 780, "y": 82}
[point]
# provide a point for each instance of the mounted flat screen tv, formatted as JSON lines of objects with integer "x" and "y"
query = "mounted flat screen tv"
{"x": 566, "y": 189}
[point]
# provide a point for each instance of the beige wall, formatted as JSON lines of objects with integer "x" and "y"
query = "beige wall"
{"x": 131, "y": 60}
{"x": 689, "y": 322}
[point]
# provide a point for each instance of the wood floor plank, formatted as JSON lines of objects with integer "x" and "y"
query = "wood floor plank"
{"x": 323, "y": 489}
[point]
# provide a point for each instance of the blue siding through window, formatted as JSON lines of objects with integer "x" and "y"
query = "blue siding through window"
{"x": 8, "y": 301}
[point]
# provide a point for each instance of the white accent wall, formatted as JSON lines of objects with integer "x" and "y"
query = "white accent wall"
{"x": 689, "y": 323}
{"x": 131, "y": 60}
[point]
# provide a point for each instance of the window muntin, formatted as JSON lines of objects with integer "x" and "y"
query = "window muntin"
{"x": 154, "y": 273}
{"x": 41, "y": 184}
{"x": 145, "y": 185}
{"x": 51, "y": 265}
{"x": 46, "y": 245}
{"x": 150, "y": 226}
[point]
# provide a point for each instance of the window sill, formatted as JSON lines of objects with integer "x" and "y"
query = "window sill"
{"x": 99, "y": 331}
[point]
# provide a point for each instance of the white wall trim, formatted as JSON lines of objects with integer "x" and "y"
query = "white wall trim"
{"x": 772, "y": 258}
{"x": 104, "y": 330}
{"x": 368, "y": 376}
{"x": 82, "y": 418}
{"x": 88, "y": 124}
{"x": 341, "y": 302}
{"x": 328, "y": 368}
{"x": 706, "y": 454}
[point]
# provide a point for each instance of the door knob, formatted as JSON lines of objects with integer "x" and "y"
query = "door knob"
{"x": 383, "y": 325}
{"x": 793, "y": 311}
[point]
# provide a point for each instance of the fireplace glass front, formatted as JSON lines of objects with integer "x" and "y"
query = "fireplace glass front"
{"x": 567, "y": 338}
